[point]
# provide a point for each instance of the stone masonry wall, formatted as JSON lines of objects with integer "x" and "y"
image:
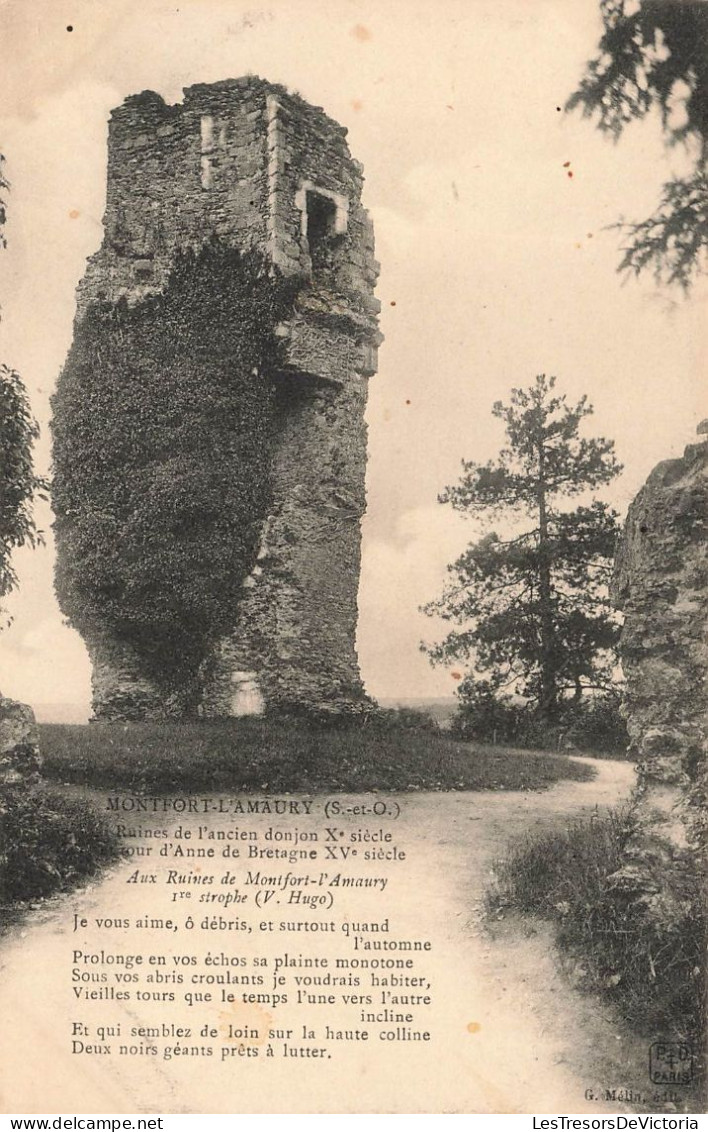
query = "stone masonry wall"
{"x": 297, "y": 621}
{"x": 661, "y": 585}
{"x": 20, "y": 760}
{"x": 246, "y": 161}
{"x": 165, "y": 194}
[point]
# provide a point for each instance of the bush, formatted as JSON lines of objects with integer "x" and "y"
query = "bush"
{"x": 544, "y": 873}
{"x": 403, "y": 719}
{"x": 49, "y": 843}
{"x": 489, "y": 718}
{"x": 631, "y": 948}
{"x": 595, "y": 724}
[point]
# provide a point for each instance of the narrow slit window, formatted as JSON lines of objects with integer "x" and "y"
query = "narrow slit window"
{"x": 207, "y": 133}
{"x": 207, "y": 147}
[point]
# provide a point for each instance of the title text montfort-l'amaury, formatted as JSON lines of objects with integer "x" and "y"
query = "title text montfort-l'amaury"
{"x": 136, "y": 804}
{"x": 377, "y": 806}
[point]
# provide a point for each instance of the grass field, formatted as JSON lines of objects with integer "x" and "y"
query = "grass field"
{"x": 268, "y": 755}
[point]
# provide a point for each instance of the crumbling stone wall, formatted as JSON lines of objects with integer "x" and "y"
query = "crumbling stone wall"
{"x": 297, "y": 620}
{"x": 247, "y": 162}
{"x": 661, "y": 585}
{"x": 20, "y": 760}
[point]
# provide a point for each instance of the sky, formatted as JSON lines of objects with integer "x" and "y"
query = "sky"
{"x": 496, "y": 263}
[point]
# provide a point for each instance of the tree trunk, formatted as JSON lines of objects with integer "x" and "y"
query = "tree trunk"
{"x": 549, "y": 691}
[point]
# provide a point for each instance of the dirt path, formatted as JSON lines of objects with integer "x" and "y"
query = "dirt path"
{"x": 509, "y": 1035}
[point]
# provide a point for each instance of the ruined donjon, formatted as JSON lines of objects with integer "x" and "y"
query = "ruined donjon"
{"x": 255, "y": 166}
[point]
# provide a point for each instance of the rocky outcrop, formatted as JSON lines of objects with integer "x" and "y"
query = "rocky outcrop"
{"x": 20, "y": 760}
{"x": 661, "y": 585}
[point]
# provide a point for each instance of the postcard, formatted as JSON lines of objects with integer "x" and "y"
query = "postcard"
{"x": 350, "y": 339}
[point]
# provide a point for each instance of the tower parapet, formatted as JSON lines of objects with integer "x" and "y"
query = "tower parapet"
{"x": 245, "y": 161}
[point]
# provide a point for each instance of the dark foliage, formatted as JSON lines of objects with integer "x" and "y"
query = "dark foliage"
{"x": 402, "y": 719}
{"x": 533, "y": 609}
{"x": 593, "y": 725}
{"x": 18, "y": 483}
{"x": 18, "y": 432}
{"x": 488, "y": 717}
{"x": 162, "y": 432}
{"x": 673, "y": 240}
{"x": 654, "y": 54}
{"x": 598, "y": 725}
{"x": 49, "y": 843}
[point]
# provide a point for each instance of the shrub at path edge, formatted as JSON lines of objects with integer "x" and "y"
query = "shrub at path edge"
{"x": 645, "y": 958}
{"x": 48, "y": 843}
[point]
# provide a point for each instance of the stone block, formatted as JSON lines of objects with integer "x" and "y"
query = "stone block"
{"x": 20, "y": 760}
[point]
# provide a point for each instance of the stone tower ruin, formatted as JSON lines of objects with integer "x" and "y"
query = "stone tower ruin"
{"x": 258, "y": 168}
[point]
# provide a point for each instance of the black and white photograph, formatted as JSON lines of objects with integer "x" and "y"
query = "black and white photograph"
{"x": 353, "y": 557}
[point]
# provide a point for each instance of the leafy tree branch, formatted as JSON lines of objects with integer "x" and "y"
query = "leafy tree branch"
{"x": 653, "y": 55}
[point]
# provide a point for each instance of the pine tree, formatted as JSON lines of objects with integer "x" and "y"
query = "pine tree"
{"x": 532, "y": 608}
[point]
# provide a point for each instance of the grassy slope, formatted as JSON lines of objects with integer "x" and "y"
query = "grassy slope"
{"x": 646, "y": 956}
{"x": 49, "y": 842}
{"x": 257, "y": 755}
